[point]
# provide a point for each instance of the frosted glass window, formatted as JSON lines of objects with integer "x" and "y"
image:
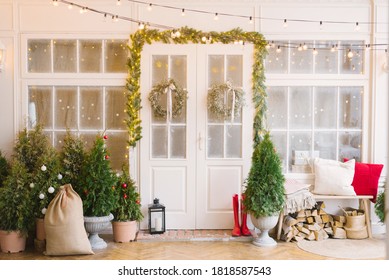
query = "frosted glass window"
{"x": 59, "y": 140}
{"x": 116, "y": 56}
{"x": 159, "y": 142}
{"x": 235, "y": 70}
{"x": 350, "y": 145}
{"x": 350, "y": 111}
{"x": 178, "y": 141}
{"x": 215, "y": 141}
{"x": 90, "y": 56}
{"x": 233, "y": 141}
{"x": 277, "y": 62}
{"x": 117, "y": 149}
{"x": 115, "y": 108}
{"x": 40, "y": 107}
{"x": 325, "y": 107}
{"x": 160, "y": 69}
{"x": 277, "y": 107}
{"x": 300, "y": 107}
{"x": 215, "y": 69}
{"x": 91, "y": 108}
{"x": 39, "y": 56}
{"x": 325, "y": 145}
{"x": 65, "y": 56}
{"x": 301, "y": 61}
{"x": 351, "y": 63}
{"x": 66, "y": 107}
{"x": 300, "y": 151}
{"x": 181, "y": 119}
{"x": 88, "y": 139}
{"x": 326, "y": 60}
{"x": 279, "y": 140}
{"x": 178, "y": 71}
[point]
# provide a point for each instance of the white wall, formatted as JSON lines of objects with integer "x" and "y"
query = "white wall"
{"x": 21, "y": 17}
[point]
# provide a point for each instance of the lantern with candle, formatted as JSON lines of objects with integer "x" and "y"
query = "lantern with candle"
{"x": 156, "y": 217}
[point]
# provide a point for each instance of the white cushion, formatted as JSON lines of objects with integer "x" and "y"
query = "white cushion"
{"x": 333, "y": 177}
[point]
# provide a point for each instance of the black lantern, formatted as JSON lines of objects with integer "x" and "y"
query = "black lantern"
{"x": 156, "y": 217}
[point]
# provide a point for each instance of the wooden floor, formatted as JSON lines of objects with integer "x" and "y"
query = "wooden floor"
{"x": 179, "y": 250}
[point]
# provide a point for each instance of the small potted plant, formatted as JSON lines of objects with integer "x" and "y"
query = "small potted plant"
{"x": 4, "y": 169}
{"x": 127, "y": 210}
{"x": 97, "y": 190}
{"x": 16, "y": 215}
{"x": 379, "y": 207}
{"x": 264, "y": 194}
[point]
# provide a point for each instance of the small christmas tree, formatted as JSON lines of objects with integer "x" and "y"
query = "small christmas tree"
{"x": 15, "y": 204}
{"x": 72, "y": 158}
{"x": 98, "y": 181}
{"x": 128, "y": 207}
{"x": 264, "y": 194}
{"x": 4, "y": 169}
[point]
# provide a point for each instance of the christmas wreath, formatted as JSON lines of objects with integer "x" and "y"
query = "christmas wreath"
{"x": 173, "y": 91}
{"x": 218, "y": 96}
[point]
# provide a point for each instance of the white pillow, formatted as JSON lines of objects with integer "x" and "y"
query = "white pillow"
{"x": 333, "y": 177}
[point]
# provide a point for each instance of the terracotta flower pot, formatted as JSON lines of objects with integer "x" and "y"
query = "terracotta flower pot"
{"x": 12, "y": 242}
{"x": 40, "y": 229}
{"x": 124, "y": 231}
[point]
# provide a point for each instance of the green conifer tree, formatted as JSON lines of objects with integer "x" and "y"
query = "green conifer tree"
{"x": 264, "y": 194}
{"x": 98, "y": 181}
{"x": 4, "y": 169}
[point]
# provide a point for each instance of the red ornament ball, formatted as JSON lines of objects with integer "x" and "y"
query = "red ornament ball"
{"x": 106, "y": 157}
{"x": 105, "y": 137}
{"x": 125, "y": 196}
{"x": 124, "y": 185}
{"x": 113, "y": 187}
{"x": 137, "y": 201}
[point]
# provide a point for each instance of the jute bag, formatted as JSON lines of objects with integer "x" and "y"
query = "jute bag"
{"x": 64, "y": 225}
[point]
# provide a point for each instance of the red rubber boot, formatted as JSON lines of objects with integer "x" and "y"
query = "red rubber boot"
{"x": 244, "y": 229}
{"x": 235, "y": 205}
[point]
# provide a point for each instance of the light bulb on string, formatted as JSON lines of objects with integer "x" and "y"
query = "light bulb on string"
{"x": 315, "y": 52}
{"x": 251, "y": 20}
{"x": 105, "y": 17}
{"x": 300, "y": 48}
{"x": 118, "y": 2}
{"x": 333, "y": 48}
{"x": 278, "y": 49}
{"x": 116, "y": 18}
{"x": 141, "y": 26}
{"x": 55, "y": 3}
{"x": 268, "y": 46}
{"x": 285, "y": 25}
{"x": 150, "y": 7}
{"x": 183, "y": 12}
{"x": 350, "y": 54}
{"x": 321, "y": 25}
{"x": 357, "y": 27}
{"x": 216, "y": 16}
{"x": 305, "y": 47}
{"x": 70, "y": 6}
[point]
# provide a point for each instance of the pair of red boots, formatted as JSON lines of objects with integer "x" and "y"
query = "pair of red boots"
{"x": 243, "y": 229}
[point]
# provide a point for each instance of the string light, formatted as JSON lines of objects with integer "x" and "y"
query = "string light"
{"x": 285, "y": 25}
{"x": 350, "y": 54}
{"x": 183, "y": 12}
{"x": 357, "y": 27}
{"x": 251, "y": 20}
{"x": 70, "y": 6}
{"x": 141, "y": 26}
{"x": 55, "y": 3}
{"x": 278, "y": 49}
{"x": 305, "y": 47}
{"x": 216, "y": 16}
{"x": 300, "y": 48}
{"x": 315, "y": 52}
{"x": 150, "y": 7}
{"x": 321, "y": 25}
{"x": 118, "y": 3}
{"x": 333, "y": 48}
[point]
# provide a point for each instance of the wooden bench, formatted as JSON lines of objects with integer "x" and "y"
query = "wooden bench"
{"x": 364, "y": 203}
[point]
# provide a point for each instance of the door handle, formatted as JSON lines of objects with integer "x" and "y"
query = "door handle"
{"x": 200, "y": 141}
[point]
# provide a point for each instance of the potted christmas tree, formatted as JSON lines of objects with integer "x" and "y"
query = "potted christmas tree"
{"x": 264, "y": 195}
{"x": 97, "y": 182}
{"x": 127, "y": 210}
{"x": 4, "y": 169}
{"x": 16, "y": 215}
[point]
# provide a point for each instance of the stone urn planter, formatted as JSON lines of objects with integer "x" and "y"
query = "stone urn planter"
{"x": 264, "y": 224}
{"x": 12, "y": 242}
{"x": 124, "y": 231}
{"x": 94, "y": 225}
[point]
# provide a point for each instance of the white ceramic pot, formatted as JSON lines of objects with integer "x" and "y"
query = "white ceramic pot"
{"x": 264, "y": 224}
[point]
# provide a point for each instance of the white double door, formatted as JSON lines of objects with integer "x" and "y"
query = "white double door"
{"x": 195, "y": 162}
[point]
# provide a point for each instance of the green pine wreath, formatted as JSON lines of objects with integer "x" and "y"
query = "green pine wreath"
{"x": 179, "y": 95}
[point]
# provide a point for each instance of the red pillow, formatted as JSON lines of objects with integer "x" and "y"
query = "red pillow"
{"x": 366, "y": 178}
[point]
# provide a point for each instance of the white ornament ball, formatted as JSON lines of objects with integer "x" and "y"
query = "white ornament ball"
{"x": 41, "y": 196}
{"x": 32, "y": 185}
{"x": 59, "y": 176}
{"x": 50, "y": 189}
{"x": 44, "y": 211}
{"x": 43, "y": 168}
{"x": 118, "y": 175}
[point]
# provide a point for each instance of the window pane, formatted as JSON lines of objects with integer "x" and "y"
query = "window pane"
{"x": 178, "y": 69}
{"x": 300, "y": 149}
{"x": 178, "y": 142}
{"x": 39, "y": 56}
{"x": 66, "y": 107}
{"x": 325, "y": 145}
{"x": 160, "y": 68}
{"x": 326, "y": 59}
{"x": 352, "y": 58}
{"x": 300, "y": 107}
{"x": 116, "y": 56}
{"x": 90, "y": 56}
{"x": 216, "y": 69}
{"x": 159, "y": 142}
{"x": 279, "y": 141}
{"x": 89, "y": 139}
{"x": 65, "y": 56}
{"x": 115, "y": 108}
{"x": 350, "y": 145}
{"x": 301, "y": 61}
{"x": 215, "y": 141}
{"x": 233, "y": 141}
{"x": 277, "y": 61}
{"x": 325, "y": 107}
{"x": 117, "y": 147}
{"x": 40, "y": 106}
{"x": 350, "y": 111}
{"x": 277, "y": 107}
{"x": 235, "y": 70}
{"x": 58, "y": 140}
{"x": 91, "y": 109}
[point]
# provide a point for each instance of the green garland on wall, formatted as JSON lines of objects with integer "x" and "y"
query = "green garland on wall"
{"x": 190, "y": 35}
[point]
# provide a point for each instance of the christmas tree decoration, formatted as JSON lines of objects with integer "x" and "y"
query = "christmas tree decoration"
{"x": 32, "y": 185}
{"x": 41, "y": 196}
{"x": 51, "y": 189}
{"x": 60, "y": 176}
{"x": 44, "y": 211}
{"x": 105, "y": 136}
{"x": 43, "y": 168}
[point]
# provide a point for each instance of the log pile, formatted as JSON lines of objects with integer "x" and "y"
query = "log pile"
{"x": 313, "y": 224}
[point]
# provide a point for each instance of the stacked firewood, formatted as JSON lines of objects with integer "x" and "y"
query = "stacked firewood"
{"x": 313, "y": 224}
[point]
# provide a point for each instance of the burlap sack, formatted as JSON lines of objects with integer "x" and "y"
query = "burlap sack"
{"x": 64, "y": 225}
